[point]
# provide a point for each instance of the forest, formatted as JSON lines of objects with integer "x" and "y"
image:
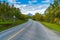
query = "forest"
{"x": 52, "y": 14}
{"x": 10, "y": 16}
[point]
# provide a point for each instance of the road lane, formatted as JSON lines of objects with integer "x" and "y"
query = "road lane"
{"x": 30, "y": 30}
{"x": 33, "y": 33}
{"x": 7, "y": 33}
{"x": 36, "y": 32}
{"x": 51, "y": 35}
{"x": 19, "y": 31}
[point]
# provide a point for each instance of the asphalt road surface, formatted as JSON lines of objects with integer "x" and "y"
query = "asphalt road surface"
{"x": 30, "y": 30}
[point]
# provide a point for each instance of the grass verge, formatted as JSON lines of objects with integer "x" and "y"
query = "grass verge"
{"x": 7, "y": 25}
{"x": 52, "y": 26}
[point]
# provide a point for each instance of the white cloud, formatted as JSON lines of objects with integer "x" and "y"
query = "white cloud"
{"x": 13, "y": 2}
{"x": 19, "y": 6}
{"x": 25, "y": 8}
{"x": 32, "y": 1}
{"x": 46, "y": 1}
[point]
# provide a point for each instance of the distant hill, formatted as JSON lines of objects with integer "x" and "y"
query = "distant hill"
{"x": 29, "y": 14}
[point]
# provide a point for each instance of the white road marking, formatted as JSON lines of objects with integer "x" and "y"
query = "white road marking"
{"x": 16, "y": 33}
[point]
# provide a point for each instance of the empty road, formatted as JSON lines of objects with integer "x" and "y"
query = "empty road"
{"x": 31, "y": 30}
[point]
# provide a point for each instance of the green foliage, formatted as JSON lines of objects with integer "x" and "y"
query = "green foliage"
{"x": 23, "y": 17}
{"x": 7, "y": 25}
{"x": 7, "y": 12}
{"x": 51, "y": 17}
{"x": 10, "y": 16}
{"x": 37, "y": 17}
{"x": 53, "y": 12}
{"x": 52, "y": 26}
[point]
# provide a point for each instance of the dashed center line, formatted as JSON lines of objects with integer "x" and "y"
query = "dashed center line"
{"x": 16, "y": 33}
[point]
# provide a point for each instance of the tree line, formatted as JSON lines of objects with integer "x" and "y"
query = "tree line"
{"x": 8, "y": 12}
{"x": 52, "y": 14}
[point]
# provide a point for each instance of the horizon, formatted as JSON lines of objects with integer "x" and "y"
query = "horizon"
{"x": 30, "y": 6}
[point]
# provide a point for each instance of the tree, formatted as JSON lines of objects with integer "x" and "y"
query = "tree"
{"x": 37, "y": 17}
{"x": 7, "y": 12}
{"x": 52, "y": 13}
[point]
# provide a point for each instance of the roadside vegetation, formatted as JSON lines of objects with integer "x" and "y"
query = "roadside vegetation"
{"x": 52, "y": 26}
{"x": 10, "y": 16}
{"x": 51, "y": 17}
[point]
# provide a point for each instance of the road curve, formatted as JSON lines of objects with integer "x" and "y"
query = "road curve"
{"x": 30, "y": 30}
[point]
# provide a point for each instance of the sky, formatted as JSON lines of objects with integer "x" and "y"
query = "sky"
{"x": 30, "y": 6}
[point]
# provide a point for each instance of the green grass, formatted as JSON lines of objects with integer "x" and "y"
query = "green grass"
{"x": 6, "y": 25}
{"x": 52, "y": 26}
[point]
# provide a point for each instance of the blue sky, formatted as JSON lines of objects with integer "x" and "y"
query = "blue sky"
{"x": 30, "y": 6}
